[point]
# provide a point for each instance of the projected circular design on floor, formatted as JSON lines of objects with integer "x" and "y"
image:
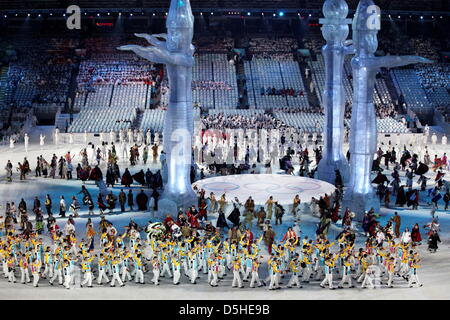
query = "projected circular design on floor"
{"x": 218, "y": 186}
{"x": 283, "y": 188}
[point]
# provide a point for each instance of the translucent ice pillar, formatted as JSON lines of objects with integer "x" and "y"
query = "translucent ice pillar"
{"x": 335, "y": 31}
{"x": 176, "y": 52}
{"x": 360, "y": 195}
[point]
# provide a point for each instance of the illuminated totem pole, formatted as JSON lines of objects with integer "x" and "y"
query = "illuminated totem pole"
{"x": 177, "y": 53}
{"x": 360, "y": 195}
{"x": 335, "y": 31}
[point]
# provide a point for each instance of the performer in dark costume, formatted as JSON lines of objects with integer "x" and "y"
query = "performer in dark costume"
{"x": 155, "y": 196}
{"x": 401, "y": 197}
{"x": 110, "y": 176}
{"x": 142, "y": 200}
{"x": 139, "y": 177}
{"x": 222, "y": 221}
{"x": 149, "y": 178}
{"x": 127, "y": 179}
{"x": 234, "y": 216}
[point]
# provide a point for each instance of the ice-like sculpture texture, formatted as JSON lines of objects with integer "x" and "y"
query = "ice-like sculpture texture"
{"x": 177, "y": 54}
{"x": 360, "y": 195}
{"x": 335, "y": 31}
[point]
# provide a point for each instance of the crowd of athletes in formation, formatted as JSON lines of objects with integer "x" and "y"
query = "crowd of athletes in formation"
{"x": 189, "y": 249}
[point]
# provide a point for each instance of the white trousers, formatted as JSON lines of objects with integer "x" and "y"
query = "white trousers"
{"x": 155, "y": 279}
{"x": 35, "y": 279}
{"x": 139, "y": 276}
{"x": 24, "y": 275}
{"x": 48, "y": 270}
{"x": 414, "y": 278}
{"x": 367, "y": 282}
{"x": 294, "y": 280}
{"x": 11, "y": 276}
{"x": 274, "y": 281}
{"x": 165, "y": 269}
{"x": 67, "y": 279}
{"x": 222, "y": 271}
{"x": 215, "y": 279}
{"x": 204, "y": 266}
{"x": 361, "y": 277}
{"x": 255, "y": 278}
{"x": 236, "y": 279}
{"x": 320, "y": 272}
{"x": 404, "y": 269}
{"x": 185, "y": 267}
{"x": 115, "y": 278}
{"x": 345, "y": 278}
{"x": 176, "y": 276}
{"x": 390, "y": 278}
{"x": 87, "y": 279}
{"x": 228, "y": 261}
{"x": 358, "y": 273}
{"x": 306, "y": 273}
{"x": 57, "y": 274}
{"x": 248, "y": 270}
{"x": 194, "y": 275}
{"x": 101, "y": 275}
{"x": 126, "y": 274}
{"x": 327, "y": 280}
{"x": 209, "y": 276}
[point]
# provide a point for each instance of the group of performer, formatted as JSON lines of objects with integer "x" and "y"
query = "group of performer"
{"x": 190, "y": 245}
{"x": 90, "y": 159}
{"x": 173, "y": 251}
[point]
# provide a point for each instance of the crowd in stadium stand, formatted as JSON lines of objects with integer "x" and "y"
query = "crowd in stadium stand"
{"x": 434, "y": 76}
{"x": 41, "y": 70}
{"x": 237, "y": 121}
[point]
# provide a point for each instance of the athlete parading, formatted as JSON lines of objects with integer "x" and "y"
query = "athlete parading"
{"x": 126, "y": 257}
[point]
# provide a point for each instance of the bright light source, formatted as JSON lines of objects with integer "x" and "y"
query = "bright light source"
{"x": 281, "y": 13}
{"x": 248, "y": 13}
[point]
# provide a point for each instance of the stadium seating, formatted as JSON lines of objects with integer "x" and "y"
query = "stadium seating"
{"x": 103, "y": 119}
{"x": 153, "y": 120}
{"x": 408, "y": 84}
